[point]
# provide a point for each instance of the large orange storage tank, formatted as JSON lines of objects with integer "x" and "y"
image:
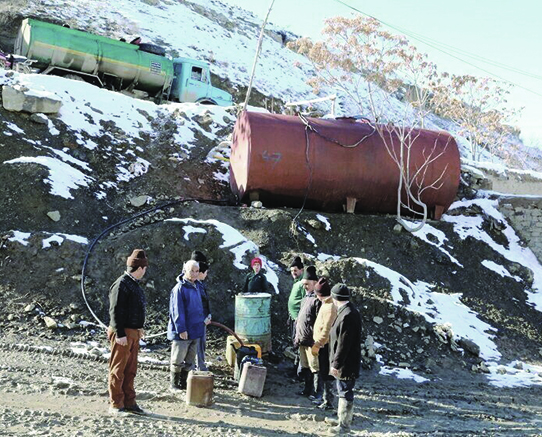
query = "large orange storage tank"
{"x": 270, "y": 161}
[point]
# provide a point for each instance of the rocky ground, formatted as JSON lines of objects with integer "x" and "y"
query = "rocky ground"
{"x": 55, "y": 393}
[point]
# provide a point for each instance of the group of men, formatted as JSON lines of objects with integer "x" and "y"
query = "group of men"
{"x": 189, "y": 314}
{"x": 326, "y": 329}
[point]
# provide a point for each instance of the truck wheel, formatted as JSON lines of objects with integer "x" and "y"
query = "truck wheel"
{"x": 152, "y": 48}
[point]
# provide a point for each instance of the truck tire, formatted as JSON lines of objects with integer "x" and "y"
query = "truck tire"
{"x": 152, "y": 48}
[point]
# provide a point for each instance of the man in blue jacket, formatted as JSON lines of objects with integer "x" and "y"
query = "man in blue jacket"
{"x": 186, "y": 324}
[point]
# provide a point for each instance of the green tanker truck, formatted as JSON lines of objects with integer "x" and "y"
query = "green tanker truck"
{"x": 117, "y": 65}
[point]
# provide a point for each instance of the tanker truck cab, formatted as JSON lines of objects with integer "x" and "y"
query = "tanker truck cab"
{"x": 192, "y": 83}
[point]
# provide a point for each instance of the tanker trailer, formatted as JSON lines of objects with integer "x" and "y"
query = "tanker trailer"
{"x": 103, "y": 61}
{"x": 276, "y": 160}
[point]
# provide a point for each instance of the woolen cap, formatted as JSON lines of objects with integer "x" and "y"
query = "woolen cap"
{"x": 296, "y": 262}
{"x": 340, "y": 292}
{"x": 256, "y": 260}
{"x": 137, "y": 259}
{"x": 322, "y": 287}
{"x": 198, "y": 256}
{"x": 310, "y": 274}
{"x": 203, "y": 267}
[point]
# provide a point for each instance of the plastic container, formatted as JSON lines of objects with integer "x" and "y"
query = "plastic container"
{"x": 242, "y": 353}
{"x": 232, "y": 344}
{"x": 199, "y": 388}
{"x": 252, "y": 380}
{"x": 253, "y": 319}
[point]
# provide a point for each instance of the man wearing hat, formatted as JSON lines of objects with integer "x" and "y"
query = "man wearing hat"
{"x": 322, "y": 326}
{"x": 304, "y": 332}
{"x": 127, "y": 316}
{"x": 294, "y": 300}
{"x": 344, "y": 353}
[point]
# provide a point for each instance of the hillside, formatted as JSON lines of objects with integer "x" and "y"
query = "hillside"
{"x": 455, "y": 306}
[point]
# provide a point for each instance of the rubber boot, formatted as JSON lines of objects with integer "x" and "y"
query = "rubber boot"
{"x": 318, "y": 387}
{"x": 308, "y": 382}
{"x": 174, "y": 381}
{"x": 183, "y": 378}
{"x": 345, "y": 413}
{"x": 327, "y": 397}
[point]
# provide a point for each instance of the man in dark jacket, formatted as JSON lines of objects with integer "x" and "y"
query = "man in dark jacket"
{"x": 186, "y": 324}
{"x": 304, "y": 334}
{"x": 127, "y": 316}
{"x": 345, "y": 353}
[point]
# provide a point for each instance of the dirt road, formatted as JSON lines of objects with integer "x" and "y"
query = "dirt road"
{"x": 52, "y": 394}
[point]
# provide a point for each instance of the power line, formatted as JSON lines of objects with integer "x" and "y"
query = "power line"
{"x": 433, "y": 45}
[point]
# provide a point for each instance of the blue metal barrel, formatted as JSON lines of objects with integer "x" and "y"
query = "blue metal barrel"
{"x": 253, "y": 318}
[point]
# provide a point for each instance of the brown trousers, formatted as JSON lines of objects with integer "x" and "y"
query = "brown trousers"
{"x": 123, "y": 368}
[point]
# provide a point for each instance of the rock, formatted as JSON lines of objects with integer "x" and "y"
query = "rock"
{"x": 256, "y": 204}
{"x": 469, "y": 346}
{"x": 204, "y": 120}
{"x": 138, "y": 201}
{"x": 30, "y": 307}
{"x": 50, "y": 323}
{"x": 15, "y": 98}
{"x": 39, "y": 118}
{"x": 501, "y": 371}
{"x": 404, "y": 365}
{"x": 54, "y": 215}
{"x": 416, "y": 328}
{"x": 419, "y": 350}
{"x": 378, "y": 320}
{"x": 482, "y": 366}
{"x": 315, "y": 224}
{"x": 11, "y": 317}
{"x": 397, "y": 228}
{"x": 518, "y": 366}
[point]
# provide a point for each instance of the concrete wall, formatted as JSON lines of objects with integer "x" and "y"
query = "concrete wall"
{"x": 525, "y": 216}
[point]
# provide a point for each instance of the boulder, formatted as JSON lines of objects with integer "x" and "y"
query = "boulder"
{"x": 15, "y": 98}
{"x": 469, "y": 346}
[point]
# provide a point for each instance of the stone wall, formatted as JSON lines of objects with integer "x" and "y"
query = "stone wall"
{"x": 525, "y": 216}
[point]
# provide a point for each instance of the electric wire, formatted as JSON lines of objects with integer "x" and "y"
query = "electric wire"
{"x": 433, "y": 45}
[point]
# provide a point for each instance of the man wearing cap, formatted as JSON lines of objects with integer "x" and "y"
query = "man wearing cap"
{"x": 127, "y": 316}
{"x": 202, "y": 276}
{"x": 344, "y": 353}
{"x": 304, "y": 332}
{"x": 322, "y": 326}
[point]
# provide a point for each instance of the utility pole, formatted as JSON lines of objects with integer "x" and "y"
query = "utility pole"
{"x": 258, "y": 50}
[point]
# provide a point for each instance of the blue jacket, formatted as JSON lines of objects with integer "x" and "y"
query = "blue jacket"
{"x": 185, "y": 310}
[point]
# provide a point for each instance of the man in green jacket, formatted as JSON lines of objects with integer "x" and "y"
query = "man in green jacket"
{"x": 294, "y": 301}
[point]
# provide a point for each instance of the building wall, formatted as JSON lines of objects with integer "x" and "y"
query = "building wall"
{"x": 525, "y": 216}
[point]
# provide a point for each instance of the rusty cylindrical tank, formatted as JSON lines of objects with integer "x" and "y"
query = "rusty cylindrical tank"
{"x": 271, "y": 161}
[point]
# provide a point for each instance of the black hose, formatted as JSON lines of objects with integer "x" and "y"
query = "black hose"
{"x": 116, "y": 225}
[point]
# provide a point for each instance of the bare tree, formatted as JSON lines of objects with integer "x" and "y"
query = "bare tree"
{"x": 480, "y": 109}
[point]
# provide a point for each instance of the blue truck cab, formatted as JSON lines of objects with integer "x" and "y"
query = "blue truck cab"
{"x": 192, "y": 83}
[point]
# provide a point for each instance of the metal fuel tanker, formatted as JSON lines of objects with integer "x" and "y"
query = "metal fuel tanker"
{"x": 116, "y": 64}
{"x": 324, "y": 164}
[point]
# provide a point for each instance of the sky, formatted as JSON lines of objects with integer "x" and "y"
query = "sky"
{"x": 504, "y": 31}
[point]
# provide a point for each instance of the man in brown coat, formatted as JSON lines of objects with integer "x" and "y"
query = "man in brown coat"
{"x": 127, "y": 316}
{"x": 322, "y": 326}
